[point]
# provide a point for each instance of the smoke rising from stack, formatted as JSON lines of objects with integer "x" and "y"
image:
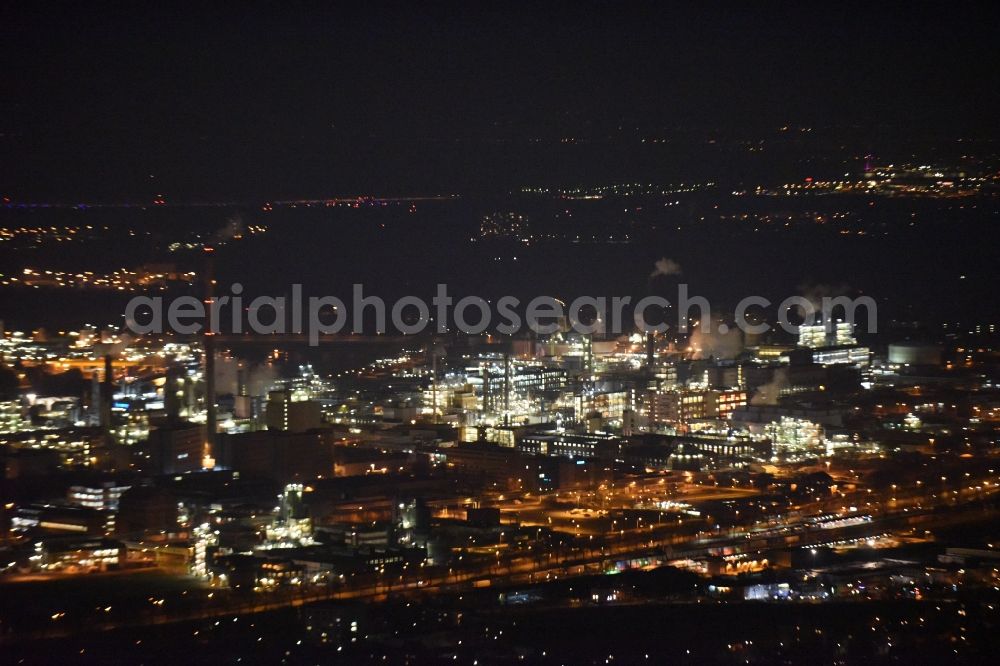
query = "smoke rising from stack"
{"x": 815, "y": 293}
{"x": 233, "y": 228}
{"x": 665, "y": 267}
{"x": 709, "y": 342}
{"x": 113, "y": 349}
{"x": 768, "y": 394}
{"x": 259, "y": 378}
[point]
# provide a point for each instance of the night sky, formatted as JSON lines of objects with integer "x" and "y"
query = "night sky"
{"x": 272, "y": 98}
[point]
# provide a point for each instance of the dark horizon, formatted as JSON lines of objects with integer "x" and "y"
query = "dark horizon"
{"x": 265, "y": 101}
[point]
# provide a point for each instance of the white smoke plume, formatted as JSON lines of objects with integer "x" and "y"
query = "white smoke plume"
{"x": 233, "y": 228}
{"x": 260, "y": 378}
{"x": 815, "y": 293}
{"x": 768, "y": 394}
{"x": 665, "y": 267}
{"x": 711, "y": 342}
{"x": 108, "y": 348}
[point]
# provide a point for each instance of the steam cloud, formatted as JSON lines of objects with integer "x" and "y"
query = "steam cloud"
{"x": 815, "y": 293}
{"x": 709, "y": 342}
{"x": 260, "y": 378}
{"x": 114, "y": 349}
{"x": 768, "y": 394}
{"x": 233, "y": 228}
{"x": 666, "y": 267}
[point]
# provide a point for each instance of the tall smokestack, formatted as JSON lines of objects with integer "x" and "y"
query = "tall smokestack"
{"x": 650, "y": 349}
{"x": 96, "y": 400}
{"x": 506, "y": 388}
{"x": 107, "y": 391}
{"x": 171, "y": 401}
{"x": 241, "y": 380}
{"x": 242, "y": 407}
{"x": 209, "y": 346}
{"x": 434, "y": 386}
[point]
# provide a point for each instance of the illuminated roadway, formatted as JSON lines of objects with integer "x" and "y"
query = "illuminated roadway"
{"x": 937, "y": 509}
